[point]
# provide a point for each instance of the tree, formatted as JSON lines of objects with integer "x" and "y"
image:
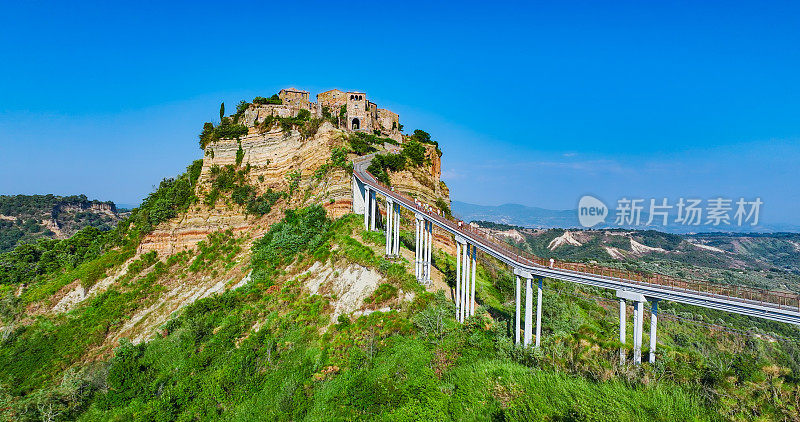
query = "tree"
{"x": 222, "y": 110}
{"x": 421, "y": 136}
{"x": 415, "y": 152}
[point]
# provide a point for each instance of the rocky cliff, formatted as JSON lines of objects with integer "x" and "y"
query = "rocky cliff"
{"x": 281, "y": 161}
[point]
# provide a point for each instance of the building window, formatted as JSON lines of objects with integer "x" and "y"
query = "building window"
{"x": 356, "y": 125}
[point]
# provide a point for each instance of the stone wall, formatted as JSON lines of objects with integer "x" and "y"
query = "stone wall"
{"x": 295, "y": 98}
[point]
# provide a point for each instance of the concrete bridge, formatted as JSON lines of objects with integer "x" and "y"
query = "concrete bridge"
{"x": 531, "y": 270}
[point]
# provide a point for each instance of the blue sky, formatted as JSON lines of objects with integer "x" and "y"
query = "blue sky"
{"x": 532, "y": 103}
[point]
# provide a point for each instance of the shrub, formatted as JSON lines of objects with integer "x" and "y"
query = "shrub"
{"x": 274, "y": 99}
{"x": 239, "y": 155}
{"x": 227, "y": 129}
{"x": 262, "y": 204}
{"x": 300, "y": 230}
{"x": 240, "y": 109}
{"x": 415, "y": 152}
{"x": 442, "y": 205}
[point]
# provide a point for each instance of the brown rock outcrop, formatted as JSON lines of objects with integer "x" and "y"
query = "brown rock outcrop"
{"x": 276, "y": 158}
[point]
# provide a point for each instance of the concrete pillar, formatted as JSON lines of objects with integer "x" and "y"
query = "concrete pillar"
{"x": 637, "y": 333}
{"x": 425, "y": 241}
{"x": 389, "y": 226}
{"x": 372, "y": 206}
{"x": 366, "y": 208}
{"x": 430, "y": 250}
{"x": 528, "y": 312}
{"x": 539, "y": 314}
{"x": 463, "y": 297}
{"x": 465, "y": 283}
{"x": 417, "y": 248}
{"x": 457, "y": 296}
{"x": 516, "y": 314}
{"x": 653, "y": 320}
{"x": 396, "y": 221}
{"x": 472, "y": 292}
{"x": 622, "y": 334}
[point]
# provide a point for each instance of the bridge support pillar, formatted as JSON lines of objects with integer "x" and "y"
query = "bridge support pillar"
{"x": 539, "y": 314}
{"x": 396, "y": 221}
{"x": 373, "y": 202}
{"x": 457, "y": 296}
{"x": 528, "y": 312}
{"x": 428, "y": 235}
{"x": 653, "y": 321}
{"x": 622, "y": 331}
{"x": 424, "y": 244}
{"x": 389, "y": 224}
{"x": 366, "y": 208}
{"x": 472, "y": 292}
{"x": 418, "y": 248}
{"x": 638, "y": 321}
{"x": 465, "y": 283}
{"x": 517, "y": 313}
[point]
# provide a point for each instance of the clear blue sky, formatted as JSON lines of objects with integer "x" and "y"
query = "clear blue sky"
{"x": 532, "y": 103}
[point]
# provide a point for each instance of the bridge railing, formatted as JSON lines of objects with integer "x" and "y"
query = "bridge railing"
{"x": 772, "y": 298}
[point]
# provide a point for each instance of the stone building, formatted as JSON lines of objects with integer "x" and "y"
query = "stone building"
{"x": 352, "y": 110}
{"x": 361, "y": 115}
{"x": 294, "y": 97}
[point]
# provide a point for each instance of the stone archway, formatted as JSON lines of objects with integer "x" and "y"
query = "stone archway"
{"x": 356, "y": 125}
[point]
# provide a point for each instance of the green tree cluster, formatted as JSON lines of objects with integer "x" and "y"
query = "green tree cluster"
{"x": 28, "y": 263}
{"x": 274, "y": 99}
{"x": 227, "y": 129}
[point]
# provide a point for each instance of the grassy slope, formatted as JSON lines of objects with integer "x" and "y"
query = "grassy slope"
{"x": 261, "y": 352}
{"x": 412, "y": 364}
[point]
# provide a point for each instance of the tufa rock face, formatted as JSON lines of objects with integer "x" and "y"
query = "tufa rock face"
{"x": 274, "y": 158}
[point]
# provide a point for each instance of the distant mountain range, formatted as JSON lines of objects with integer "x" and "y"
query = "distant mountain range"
{"x": 535, "y": 217}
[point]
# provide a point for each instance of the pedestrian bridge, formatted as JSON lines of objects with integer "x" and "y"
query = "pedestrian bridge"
{"x": 630, "y": 286}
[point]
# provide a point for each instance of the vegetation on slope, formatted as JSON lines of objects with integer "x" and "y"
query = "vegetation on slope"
{"x": 258, "y": 351}
{"x": 412, "y": 155}
{"x": 50, "y": 264}
{"x": 229, "y": 179}
{"x": 25, "y": 217}
{"x": 269, "y": 349}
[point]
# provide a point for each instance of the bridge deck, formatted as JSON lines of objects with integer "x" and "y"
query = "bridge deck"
{"x": 772, "y": 305}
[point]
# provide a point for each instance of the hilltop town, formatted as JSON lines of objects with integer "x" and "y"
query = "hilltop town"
{"x": 352, "y": 110}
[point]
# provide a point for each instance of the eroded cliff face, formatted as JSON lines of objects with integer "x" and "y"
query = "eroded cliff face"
{"x": 283, "y": 162}
{"x": 423, "y": 183}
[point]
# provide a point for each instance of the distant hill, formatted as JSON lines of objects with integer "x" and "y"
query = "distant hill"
{"x": 516, "y": 214}
{"x": 26, "y": 218}
{"x": 534, "y": 217}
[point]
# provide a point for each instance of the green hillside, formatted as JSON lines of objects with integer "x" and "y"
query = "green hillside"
{"x": 28, "y": 218}
{"x": 268, "y": 351}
